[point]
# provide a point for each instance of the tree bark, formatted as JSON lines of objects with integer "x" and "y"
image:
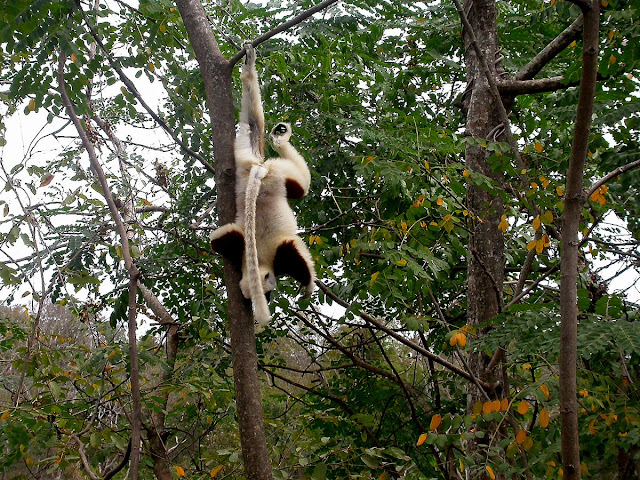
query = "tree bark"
{"x": 216, "y": 74}
{"x": 485, "y": 268}
{"x": 574, "y": 200}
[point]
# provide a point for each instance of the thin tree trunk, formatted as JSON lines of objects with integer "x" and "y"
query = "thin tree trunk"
{"x": 216, "y": 74}
{"x": 574, "y": 200}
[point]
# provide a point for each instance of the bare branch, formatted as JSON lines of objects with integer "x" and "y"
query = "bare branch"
{"x": 284, "y": 26}
{"x": 524, "y": 87}
{"x": 618, "y": 171}
{"x": 129, "y": 265}
{"x": 548, "y": 53}
{"x": 380, "y": 326}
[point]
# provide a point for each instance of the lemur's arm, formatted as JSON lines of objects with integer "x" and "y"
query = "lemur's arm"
{"x": 290, "y": 165}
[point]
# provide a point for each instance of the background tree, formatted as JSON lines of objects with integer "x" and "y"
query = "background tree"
{"x": 432, "y": 347}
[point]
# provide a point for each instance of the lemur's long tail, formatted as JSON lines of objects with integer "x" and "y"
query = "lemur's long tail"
{"x": 260, "y": 306}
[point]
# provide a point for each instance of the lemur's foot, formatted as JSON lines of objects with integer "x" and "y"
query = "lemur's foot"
{"x": 250, "y": 57}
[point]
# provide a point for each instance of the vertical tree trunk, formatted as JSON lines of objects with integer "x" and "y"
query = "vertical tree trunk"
{"x": 574, "y": 200}
{"x": 485, "y": 268}
{"x": 216, "y": 74}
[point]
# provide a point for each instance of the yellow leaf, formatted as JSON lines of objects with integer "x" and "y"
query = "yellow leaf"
{"x": 436, "y": 420}
{"x": 179, "y": 470}
{"x": 492, "y": 475}
{"x": 538, "y": 147}
{"x": 611, "y": 34}
{"x": 605, "y": 3}
{"x": 401, "y": 263}
{"x": 523, "y": 407}
{"x": 439, "y": 202}
{"x": 5, "y": 415}
{"x": 544, "y": 418}
{"x": 612, "y": 59}
{"x": 216, "y": 471}
{"x": 526, "y": 366}
{"x": 573, "y": 44}
{"x": 534, "y": 186}
{"x": 531, "y": 245}
{"x": 547, "y": 217}
{"x": 592, "y": 429}
{"x": 539, "y": 246}
{"x": 403, "y": 225}
{"x": 527, "y": 443}
{"x": 453, "y": 341}
{"x": 152, "y": 67}
{"x": 374, "y": 276}
{"x": 559, "y": 191}
{"x": 504, "y": 404}
{"x": 421, "y": 439}
{"x": 545, "y": 390}
{"x": 583, "y": 393}
{"x": 536, "y": 222}
{"x": 491, "y": 406}
{"x": 545, "y": 182}
{"x": 504, "y": 224}
{"x": 32, "y": 105}
{"x": 73, "y": 57}
{"x": 465, "y": 174}
{"x": 520, "y": 437}
{"x": 163, "y": 28}
{"x": 315, "y": 239}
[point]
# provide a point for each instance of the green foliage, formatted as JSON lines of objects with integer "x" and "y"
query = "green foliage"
{"x": 374, "y": 91}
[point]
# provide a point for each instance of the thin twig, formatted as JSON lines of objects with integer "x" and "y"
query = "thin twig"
{"x": 282, "y": 27}
{"x": 618, "y": 171}
{"x": 134, "y": 91}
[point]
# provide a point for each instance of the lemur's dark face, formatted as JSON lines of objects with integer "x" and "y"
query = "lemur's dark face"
{"x": 280, "y": 129}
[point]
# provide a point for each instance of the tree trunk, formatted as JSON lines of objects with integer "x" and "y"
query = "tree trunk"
{"x": 574, "y": 200}
{"x": 485, "y": 268}
{"x": 216, "y": 74}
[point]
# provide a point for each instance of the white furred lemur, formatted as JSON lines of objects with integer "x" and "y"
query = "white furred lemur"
{"x": 263, "y": 240}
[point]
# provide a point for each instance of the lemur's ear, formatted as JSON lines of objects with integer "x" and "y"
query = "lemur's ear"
{"x": 293, "y": 258}
{"x": 228, "y": 241}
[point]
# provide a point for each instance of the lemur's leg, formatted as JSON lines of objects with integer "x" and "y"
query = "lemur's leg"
{"x": 294, "y": 259}
{"x": 228, "y": 241}
{"x": 250, "y": 139}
